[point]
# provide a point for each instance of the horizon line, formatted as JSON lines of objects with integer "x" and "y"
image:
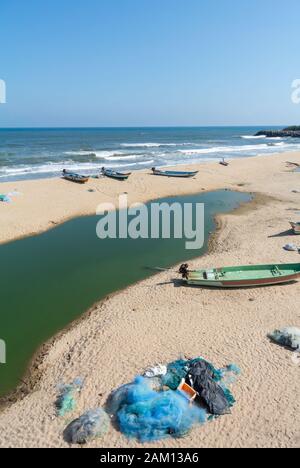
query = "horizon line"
{"x": 138, "y": 127}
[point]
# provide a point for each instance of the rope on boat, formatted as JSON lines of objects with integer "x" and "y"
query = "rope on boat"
{"x": 183, "y": 270}
{"x": 161, "y": 269}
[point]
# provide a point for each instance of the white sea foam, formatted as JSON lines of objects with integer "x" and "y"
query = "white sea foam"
{"x": 225, "y": 149}
{"x": 96, "y": 154}
{"x": 253, "y": 137}
{"x": 56, "y": 168}
{"x": 79, "y": 153}
{"x": 260, "y": 137}
{"x": 147, "y": 145}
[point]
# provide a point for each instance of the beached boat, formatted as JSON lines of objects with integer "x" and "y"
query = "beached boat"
{"x": 174, "y": 173}
{"x": 224, "y": 163}
{"x": 79, "y": 179}
{"x": 241, "y": 276}
{"x": 296, "y": 228}
{"x": 114, "y": 174}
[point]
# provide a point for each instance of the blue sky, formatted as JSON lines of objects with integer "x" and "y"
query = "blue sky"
{"x": 149, "y": 62}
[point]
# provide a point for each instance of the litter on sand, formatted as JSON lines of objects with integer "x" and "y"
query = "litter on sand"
{"x": 91, "y": 425}
{"x": 289, "y": 337}
{"x": 66, "y": 401}
{"x": 291, "y": 248}
{"x": 8, "y": 197}
{"x": 156, "y": 371}
{"x": 5, "y": 198}
{"x": 170, "y": 404}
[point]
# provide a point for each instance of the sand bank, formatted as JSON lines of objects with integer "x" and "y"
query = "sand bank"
{"x": 154, "y": 321}
{"x": 48, "y": 202}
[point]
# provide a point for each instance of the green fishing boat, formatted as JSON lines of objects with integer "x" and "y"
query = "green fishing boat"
{"x": 241, "y": 276}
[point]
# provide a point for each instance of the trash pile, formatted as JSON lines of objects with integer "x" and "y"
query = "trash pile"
{"x": 289, "y": 337}
{"x": 66, "y": 401}
{"x": 291, "y": 248}
{"x": 91, "y": 425}
{"x": 8, "y": 198}
{"x": 5, "y": 198}
{"x": 169, "y": 400}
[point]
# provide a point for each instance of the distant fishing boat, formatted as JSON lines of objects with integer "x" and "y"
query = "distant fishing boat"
{"x": 174, "y": 173}
{"x": 79, "y": 179}
{"x": 296, "y": 228}
{"x": 114, "y": 174}
{"x": 241, "y": 276}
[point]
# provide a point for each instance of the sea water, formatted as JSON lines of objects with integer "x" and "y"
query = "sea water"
{"x": 37, "y": 153}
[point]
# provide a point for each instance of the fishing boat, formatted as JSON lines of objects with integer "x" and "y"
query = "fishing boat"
{"x": 241, "y": 276}
{"x": 174, "y": 173}
{"x": 296, "y": 228}
{"x": 114, "y": 174}
{"x": 79, "y": 179}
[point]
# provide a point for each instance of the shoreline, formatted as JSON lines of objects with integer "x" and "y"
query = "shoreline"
{"x": 64, "y": 194}
{"x": 116, "y": 316}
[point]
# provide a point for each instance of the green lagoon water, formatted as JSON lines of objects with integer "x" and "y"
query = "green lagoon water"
{"x": 47, "y": 281}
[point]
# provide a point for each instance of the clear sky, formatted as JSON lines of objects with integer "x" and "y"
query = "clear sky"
{"x": 149, "y": 62}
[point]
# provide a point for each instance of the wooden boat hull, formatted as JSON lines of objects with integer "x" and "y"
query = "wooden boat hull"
{"x": 244, "y": 276}
{"x": 116, "y": 175}
{"x": 183, "y": 175}
{"x": 77, "y": 178}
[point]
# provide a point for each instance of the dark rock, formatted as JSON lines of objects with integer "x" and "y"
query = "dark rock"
{"x": 293, "y": 132}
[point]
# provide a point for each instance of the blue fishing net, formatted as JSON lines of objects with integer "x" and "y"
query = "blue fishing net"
{"x": 91, "y": 425}
{"x": 146, "y": 411}
{"x": 289, "y": 337}
{"x": 178, "y": 370}
{"x": 148, "y": 415}
{"x": 66, "y": 400}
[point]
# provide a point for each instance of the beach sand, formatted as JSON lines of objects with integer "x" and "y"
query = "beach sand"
{"x": 156, "y": 322}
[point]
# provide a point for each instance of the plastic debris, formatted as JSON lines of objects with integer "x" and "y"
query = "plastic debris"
{"x": 66, "y": 401}
{"x": 156, "y": 371}
{"x": 289, "y": 337}
{"x": 229, "y": 375}
{"x": 201, "y": 377}
{"x": 91, "y": 425}
{"x": 290, "y": 247}
{"x": 5, "y": 198}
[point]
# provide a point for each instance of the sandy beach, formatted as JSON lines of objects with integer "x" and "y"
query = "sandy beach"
{"x": 156, "y": 322}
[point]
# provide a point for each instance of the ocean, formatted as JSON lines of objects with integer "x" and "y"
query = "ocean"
{"x": 38, "y": 153}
